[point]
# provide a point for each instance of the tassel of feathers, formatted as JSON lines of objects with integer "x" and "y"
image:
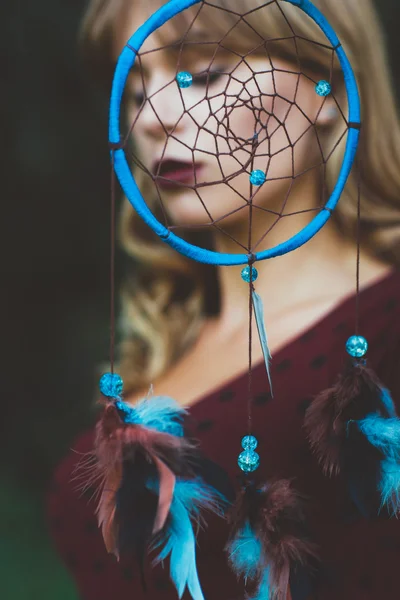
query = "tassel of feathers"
{"x": 150, "y": 485}
{"x": 268, "y": 546}
{"x": 354, "y": 430}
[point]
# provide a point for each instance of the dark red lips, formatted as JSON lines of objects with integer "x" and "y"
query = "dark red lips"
{"x": 171, "y": 173}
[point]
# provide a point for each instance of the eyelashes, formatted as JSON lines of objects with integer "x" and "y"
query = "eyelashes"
{"x": 208, "y": 77}
{"x": 137, "y": 98}
{"x": 203, "y": 79}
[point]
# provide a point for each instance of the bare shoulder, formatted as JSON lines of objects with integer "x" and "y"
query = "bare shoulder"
{"x": 220, "y": 354}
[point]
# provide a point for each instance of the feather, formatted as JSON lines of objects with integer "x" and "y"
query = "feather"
{"x": 159, "y": 412}
{"x": 264, "y": 591}
{"x": 106, "y": 511}
{"x": 141, "y": 456}
{"x": 246, "y": 553}
{"x": 383, "y": 433}
{"x": 353, "y": 429}
{"x": 128, "y": 454}
{"x": 114, "y": 438}
{"x": 388, "y": 403}
{"x": 262, "y": 334}
{"x": 135, "y": 508}
{"x": 361, "y": 468}
{"x": 215, "y": 477}
{"x": 389, "y": 486}
{"x": 167, "y": 481}
{"x": 178, "y": 541}
{"x": 269, "y": 537}
{"x": 356, "y": 393}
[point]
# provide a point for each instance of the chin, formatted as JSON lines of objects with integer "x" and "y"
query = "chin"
{"x": 187, "y": 217}
{"x": 185, "y": 210}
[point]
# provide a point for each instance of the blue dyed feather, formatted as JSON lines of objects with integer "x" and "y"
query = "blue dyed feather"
{"x": 158, "y": 412}
{"x": 179, "y": 542}
{"x": 389, "y": 485}
{"x": 382, "y": 433}
{"x": 388, "y": 403}
{"x": 246, "y": 553}
{"x": 248, "y": 560}
{"x": 264, "y": 591}
{"x": 262, "y": 334}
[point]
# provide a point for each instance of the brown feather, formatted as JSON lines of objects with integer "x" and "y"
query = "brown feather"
{"x": 106, "y": 510}
{"x": 116, "y": 442}
{"x": 116, "y": 439}
{"x": 166, "y": 486}
{"x": 355, "y": 394}
{"x": 275, "y": 514}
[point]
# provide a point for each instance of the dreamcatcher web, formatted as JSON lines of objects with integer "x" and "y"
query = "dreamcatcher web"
{"x": 236, "y": 127}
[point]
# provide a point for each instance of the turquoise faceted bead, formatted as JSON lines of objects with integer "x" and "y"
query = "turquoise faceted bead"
{"x": 257, "y": 177}
{"x": 184, "y": 79}
{"x": 323, "y": 88}
{"x": 111, "y": 385}
{"x": 249, "y": 442}
{"x": 249, "y": 272}
{"x": 248, "y": 461}
{"x": 357, "y": 346}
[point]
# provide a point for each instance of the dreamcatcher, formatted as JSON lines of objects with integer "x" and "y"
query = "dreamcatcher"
{"x": 154, "y": 482}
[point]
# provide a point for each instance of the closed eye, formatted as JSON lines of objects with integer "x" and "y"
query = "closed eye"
{"x": 207, "y": 77}
{"x": 135, "y": 97}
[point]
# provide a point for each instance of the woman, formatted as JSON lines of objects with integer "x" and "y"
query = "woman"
{"x": 185, "y": 325}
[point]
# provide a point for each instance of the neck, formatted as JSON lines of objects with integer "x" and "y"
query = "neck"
{"x": 312, "y": 272}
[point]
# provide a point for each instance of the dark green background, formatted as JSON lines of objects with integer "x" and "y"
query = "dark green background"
{"x": 55, "y": 264}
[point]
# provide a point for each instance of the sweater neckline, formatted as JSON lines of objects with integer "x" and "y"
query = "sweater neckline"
{"x": 366, "y": 295}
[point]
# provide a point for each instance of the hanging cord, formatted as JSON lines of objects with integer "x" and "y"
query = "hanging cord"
{"x": 251, "y": 260}
{"x": 249, "y": 392}
{"x": 358, "y": 241}
{"x": 112, "y": 266}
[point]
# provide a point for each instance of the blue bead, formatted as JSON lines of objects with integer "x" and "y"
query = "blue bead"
{"x": 111, "y": 385}
{"x": 249, "y": 442}
{"x": 356, "y": 346}
{"x": 323, "y": 88}
{"x": 249, "y": 272}
{"x": 257, "y": 177}
{"x": 184, "y": 79}
{"x": 248, "y": 461}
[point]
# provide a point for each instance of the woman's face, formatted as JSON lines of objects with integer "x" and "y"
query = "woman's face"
{"x": 202, "y": 142}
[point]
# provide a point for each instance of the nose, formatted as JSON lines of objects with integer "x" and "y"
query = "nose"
{"x": 163, "y": 112}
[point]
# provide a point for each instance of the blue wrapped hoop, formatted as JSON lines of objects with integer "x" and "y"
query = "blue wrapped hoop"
{"x": 122, "y": 169}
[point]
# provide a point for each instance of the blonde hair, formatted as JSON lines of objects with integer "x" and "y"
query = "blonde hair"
{"x": 165, "y": 302}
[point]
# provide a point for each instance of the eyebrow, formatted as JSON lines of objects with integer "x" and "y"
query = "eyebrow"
{"x": 194, "y": 37}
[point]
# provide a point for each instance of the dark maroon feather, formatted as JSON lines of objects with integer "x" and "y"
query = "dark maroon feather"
{"x": 276, "y": 516}
{"x": 356, "y": 393}
{"x": 125, "y": 457}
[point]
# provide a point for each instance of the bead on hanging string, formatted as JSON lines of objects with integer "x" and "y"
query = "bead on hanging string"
{"x": 111, "y": 385}
{"x": 249, "y": 459}
{"x": 356, "y": 346}
{"x": 249, "y": 273}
